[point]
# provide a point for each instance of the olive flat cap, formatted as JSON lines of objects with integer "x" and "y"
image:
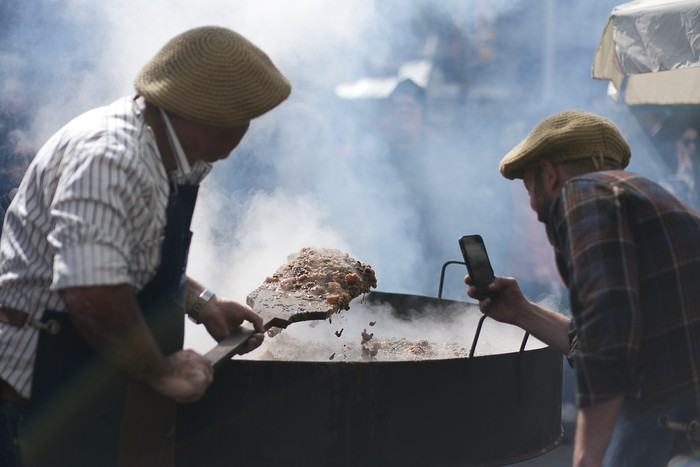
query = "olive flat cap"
{"x": 567, "y": 136}
{"x": 212, "y": 75}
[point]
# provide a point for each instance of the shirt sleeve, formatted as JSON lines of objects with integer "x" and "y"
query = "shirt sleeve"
{"x": 99, "y": 201}
{"x": 597, "y": 251}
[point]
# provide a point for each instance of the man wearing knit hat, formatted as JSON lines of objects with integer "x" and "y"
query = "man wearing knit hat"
{"x": 93, "y": 290}
{"x": 629, "y": 253}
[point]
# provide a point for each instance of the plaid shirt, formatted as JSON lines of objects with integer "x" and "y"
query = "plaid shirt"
{"x": 629, "y": 253}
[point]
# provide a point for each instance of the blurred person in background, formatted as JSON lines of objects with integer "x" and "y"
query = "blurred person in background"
{"x": 403, "y": 120}
{"x": 629, "y": 254}
{"x": 402, "y": 126}
{"x": 685, "y": 166}
{"x": 93, "y": 291}
{"x": 423, "y": 156}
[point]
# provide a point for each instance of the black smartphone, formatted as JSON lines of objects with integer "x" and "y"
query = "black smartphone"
{"x": 478, "y": 264}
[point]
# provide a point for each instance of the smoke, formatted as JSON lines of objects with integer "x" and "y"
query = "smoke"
{"x": 377, "y": 332}
{"x": 320, "y": 170}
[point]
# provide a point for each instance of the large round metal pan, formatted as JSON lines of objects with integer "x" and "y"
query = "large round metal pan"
{"x": 483, "y": 410}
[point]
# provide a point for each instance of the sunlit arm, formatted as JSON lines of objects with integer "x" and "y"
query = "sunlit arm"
{"x": 109, "y": 319}
{"x": 550, "y": 327}
{"x": 507, "y": 304}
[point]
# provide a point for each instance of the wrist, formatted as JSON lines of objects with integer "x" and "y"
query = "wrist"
{"x": 194, "y": 312}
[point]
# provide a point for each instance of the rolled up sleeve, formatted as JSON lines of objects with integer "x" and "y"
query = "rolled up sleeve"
{"x": 104, "y": 230}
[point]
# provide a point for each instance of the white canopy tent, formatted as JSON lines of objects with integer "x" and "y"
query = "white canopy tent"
{"x": 650, "y": 52}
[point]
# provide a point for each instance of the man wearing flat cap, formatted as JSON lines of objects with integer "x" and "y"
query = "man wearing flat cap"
{"x": 93, "y": 291}
{"x": 629, "y": 253}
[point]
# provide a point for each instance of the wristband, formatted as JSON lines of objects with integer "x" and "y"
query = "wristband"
{"x": 202, "y": 300}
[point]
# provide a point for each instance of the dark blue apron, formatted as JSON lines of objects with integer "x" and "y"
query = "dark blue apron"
{"x": 77, "y": 397}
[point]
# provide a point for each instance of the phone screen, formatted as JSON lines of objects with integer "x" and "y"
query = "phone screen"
{"x": 478, "y": 264}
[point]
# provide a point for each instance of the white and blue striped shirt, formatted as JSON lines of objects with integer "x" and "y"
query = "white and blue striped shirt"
{"x": 91, "y": 210}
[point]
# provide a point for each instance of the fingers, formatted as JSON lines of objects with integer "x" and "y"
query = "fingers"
{"x": 254, "y": 318}
{"x": 498, "y": 282}
{"x": 493, "y": 288}
{"x": 254, "y": 342}
{"x": 191, "y": 375}
{"x": 193, "y": 365}
{"x": 238, "y": 312}
{"x": 228, "y": 316}
{"x": 471, "y": 292}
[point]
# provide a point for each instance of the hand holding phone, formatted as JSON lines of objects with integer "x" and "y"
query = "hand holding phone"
{"x": 478, "y": 264}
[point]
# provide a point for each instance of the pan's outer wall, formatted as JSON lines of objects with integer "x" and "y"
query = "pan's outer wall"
{"x": 488, "y": 410}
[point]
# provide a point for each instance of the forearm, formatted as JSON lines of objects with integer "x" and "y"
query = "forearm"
{"x": 550, "y": 327}
{"x": 594, "y": 429}
{"x": 508, "y": 305}
{"x": 109, "y": 319}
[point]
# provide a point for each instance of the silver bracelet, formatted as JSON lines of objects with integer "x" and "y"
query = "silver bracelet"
{"x": 202, "y": 300}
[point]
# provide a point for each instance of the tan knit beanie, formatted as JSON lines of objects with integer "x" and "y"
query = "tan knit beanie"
{"x": 212, "y": 75}
{"x": 567, "y": 136}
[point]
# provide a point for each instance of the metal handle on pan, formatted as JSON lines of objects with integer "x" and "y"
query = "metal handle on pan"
{"x": 442, "y": 276}
{"x": 481, "y": 320}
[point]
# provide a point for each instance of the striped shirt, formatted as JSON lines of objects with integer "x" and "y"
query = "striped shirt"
{"x": 629, "y": 253}
{"x": 91, "y": 210}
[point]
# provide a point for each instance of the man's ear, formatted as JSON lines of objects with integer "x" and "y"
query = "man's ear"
{"x": 552, "y": 176}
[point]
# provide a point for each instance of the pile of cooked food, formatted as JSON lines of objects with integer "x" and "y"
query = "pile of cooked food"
{"x": 327, "y": 275}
